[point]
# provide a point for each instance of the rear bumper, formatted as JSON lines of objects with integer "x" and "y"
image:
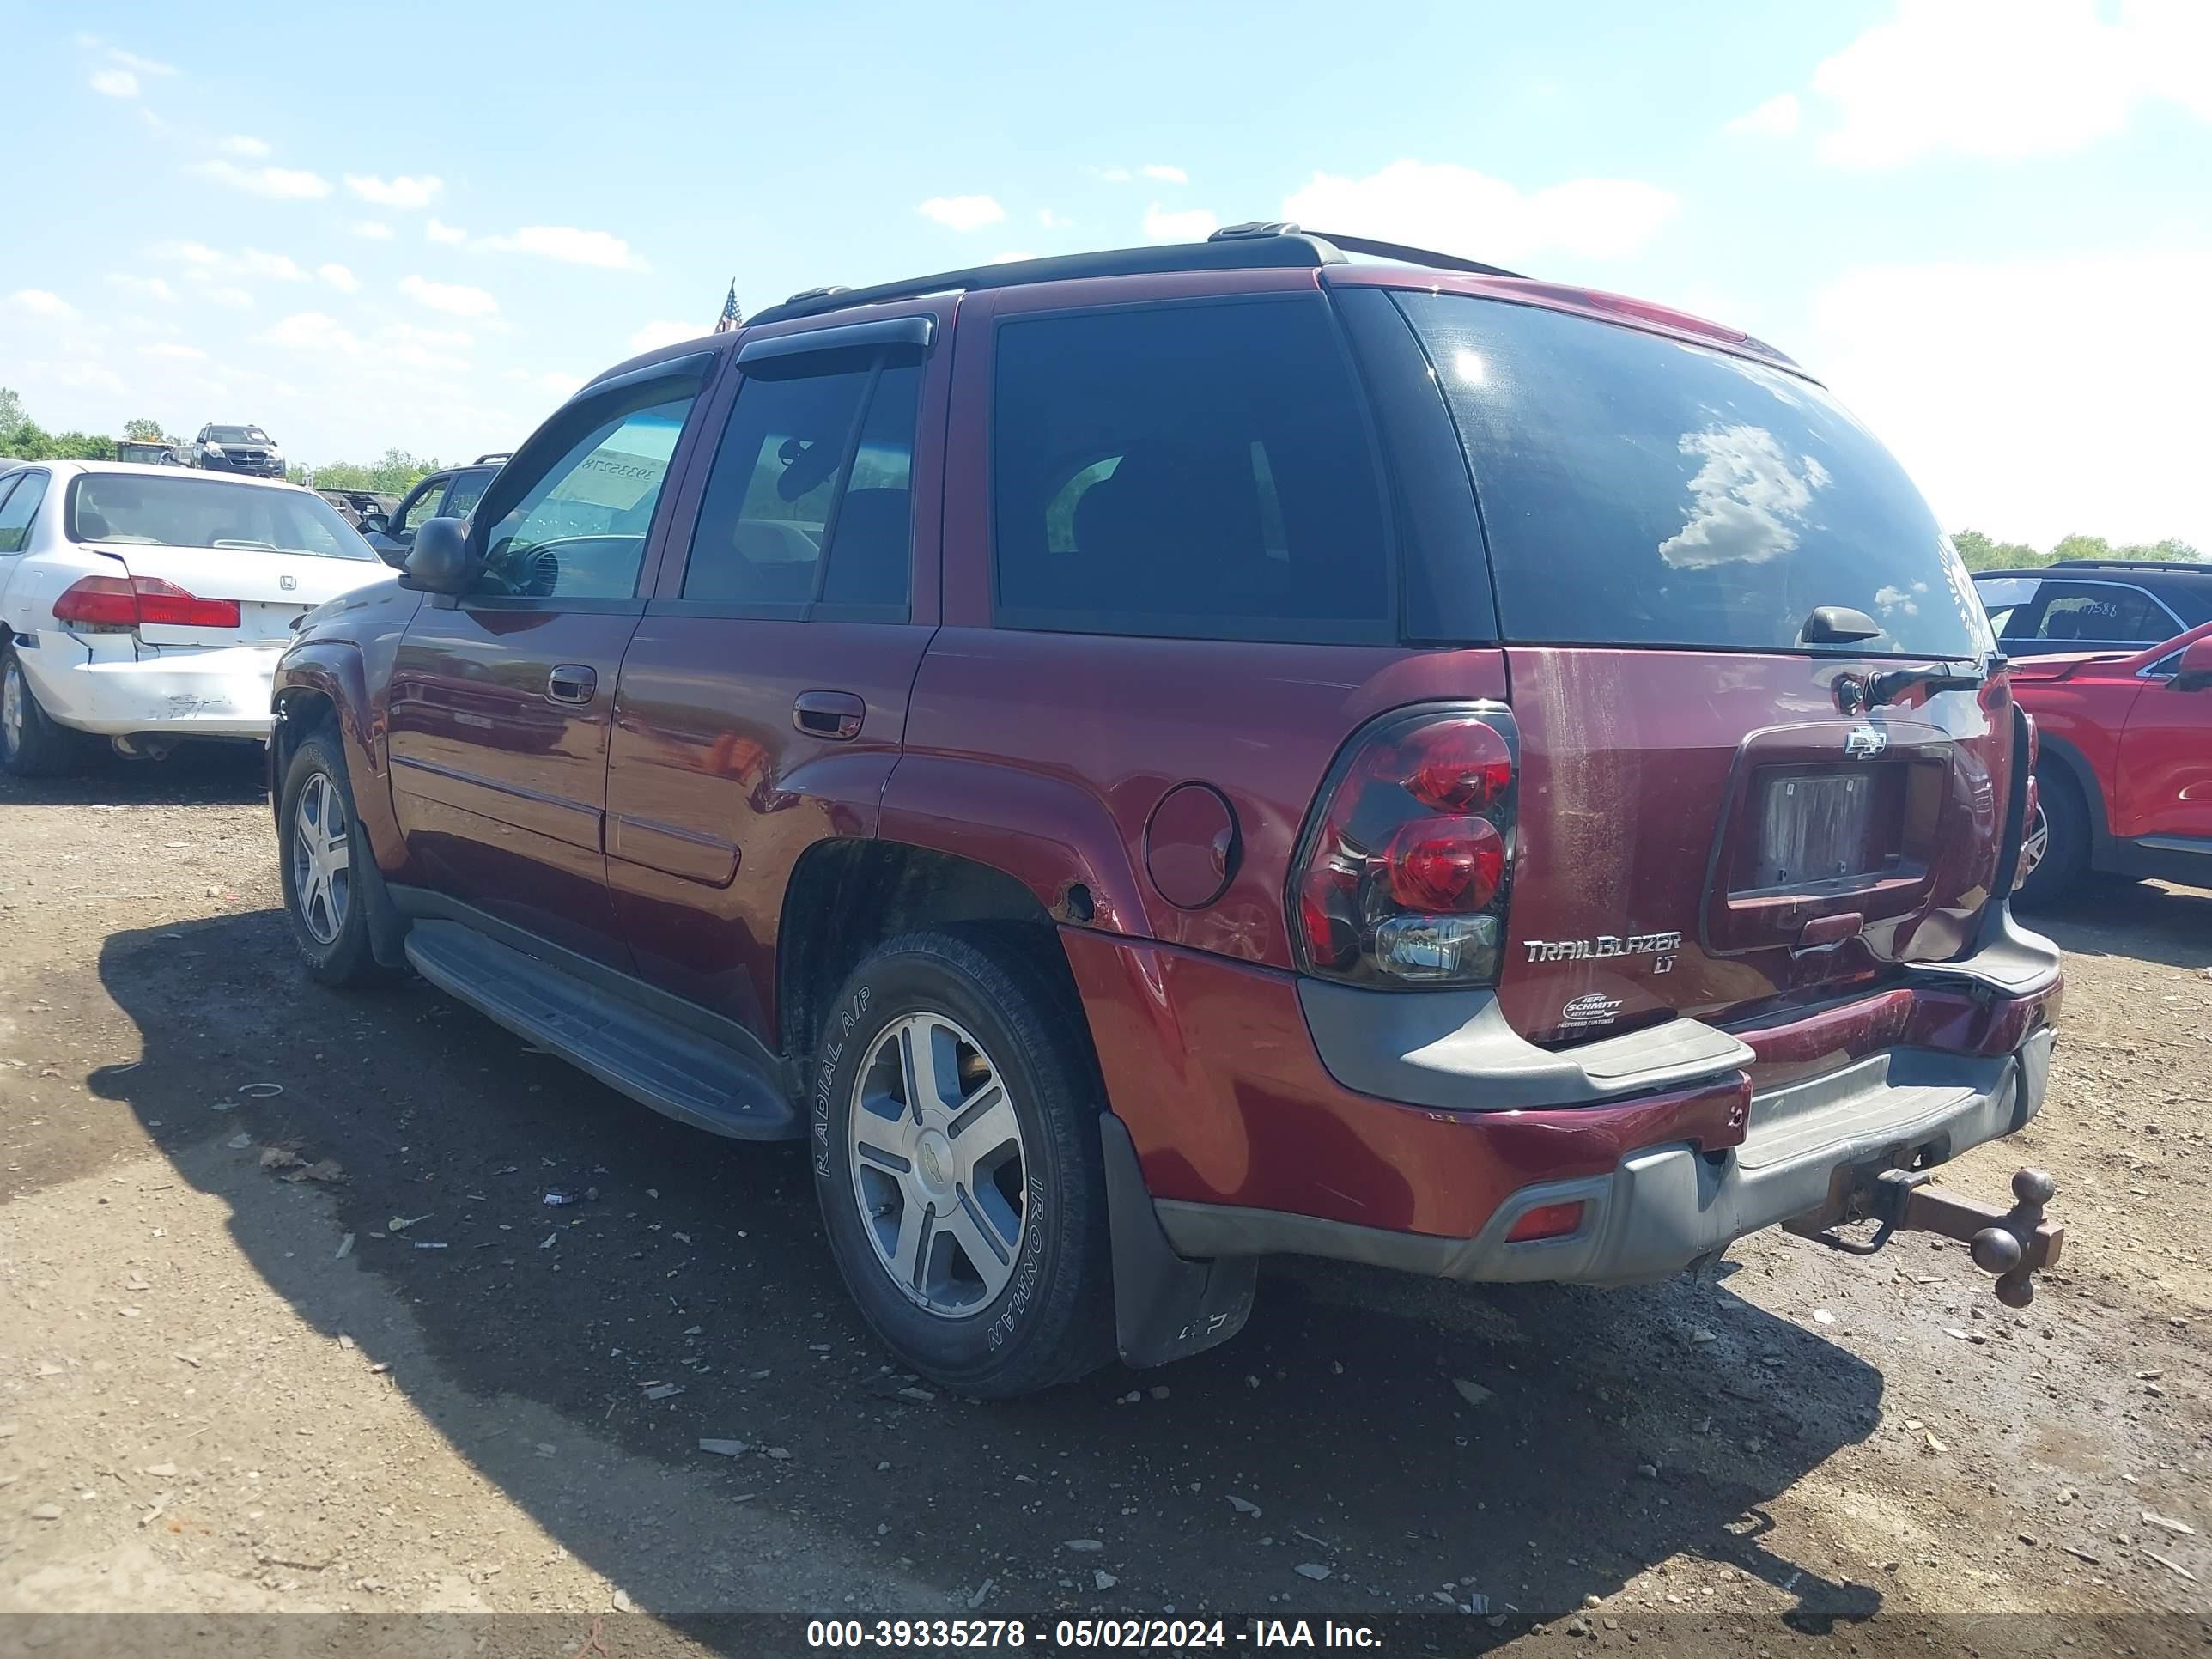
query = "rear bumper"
{"x": 218, "y": 693}
{"x": 1665, "y": 1208}
{"x": 1251, "y": 1143}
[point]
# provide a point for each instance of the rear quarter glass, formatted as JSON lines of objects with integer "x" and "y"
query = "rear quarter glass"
{"x": 1639, "y": 490}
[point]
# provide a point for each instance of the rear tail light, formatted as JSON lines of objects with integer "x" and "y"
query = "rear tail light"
{"x": 1403, "y": 874}
{"x": 136, "y": 601}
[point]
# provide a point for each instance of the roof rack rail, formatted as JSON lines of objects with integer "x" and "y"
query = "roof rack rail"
{"x": 2201, "y": 566}
{"x": 1255, "y": 243}
{"x": 1287, "y": 248}
{"x": 1404, "y": 253}
{"x": 496, "y": 455}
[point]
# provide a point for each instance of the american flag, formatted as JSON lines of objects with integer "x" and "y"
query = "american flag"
{"x": 732, "y": 318}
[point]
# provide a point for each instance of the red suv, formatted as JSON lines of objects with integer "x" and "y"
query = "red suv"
{"x": 2124, "y": 764}
{"x": 1149, "y": 759}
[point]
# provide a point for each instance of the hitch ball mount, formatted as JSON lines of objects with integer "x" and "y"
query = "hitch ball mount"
{"x": 2014, "y": 1244}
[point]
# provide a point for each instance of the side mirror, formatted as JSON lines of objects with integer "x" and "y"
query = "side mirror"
{"x": 375, "y": 518}
{"x": 438, "y": 562}
{"x": 2196, "y": 673}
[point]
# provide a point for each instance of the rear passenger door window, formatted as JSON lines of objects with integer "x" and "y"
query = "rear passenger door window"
{"x": 1196, "y": 471}
{"x": 2102, "y": 613}
{"x": 809, "y": 506}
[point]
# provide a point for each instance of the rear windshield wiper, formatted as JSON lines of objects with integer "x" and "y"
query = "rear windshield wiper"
{"x": 1892, "y": 683}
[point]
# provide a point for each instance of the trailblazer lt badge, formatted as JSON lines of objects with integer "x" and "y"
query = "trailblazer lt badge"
{"x": 1660, "y": 947}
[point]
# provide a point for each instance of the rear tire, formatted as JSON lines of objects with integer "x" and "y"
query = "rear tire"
{"x": 32, "y": 743}
{"x": 319, "y": 842}
{"x": 2063, "y": 819}
{"x": 955, "y": 1143}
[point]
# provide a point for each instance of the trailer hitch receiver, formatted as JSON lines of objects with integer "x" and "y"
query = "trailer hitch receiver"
{"x": 2014, "y": 1244}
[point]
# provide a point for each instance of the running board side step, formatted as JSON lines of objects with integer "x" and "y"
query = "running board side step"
{"x": 655, "y": 1061}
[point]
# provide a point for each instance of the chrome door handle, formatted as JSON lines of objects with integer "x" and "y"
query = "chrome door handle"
{"x": 834, "y": 714}
{"x": 572, "y": 682}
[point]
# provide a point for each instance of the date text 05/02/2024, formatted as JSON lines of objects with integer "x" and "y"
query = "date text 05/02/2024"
{"x": 1168, "y": 1634}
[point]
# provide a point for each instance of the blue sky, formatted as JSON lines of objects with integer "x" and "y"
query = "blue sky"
{"x": 1987, "y": 224}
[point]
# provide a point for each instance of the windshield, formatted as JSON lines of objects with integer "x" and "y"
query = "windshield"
{"x": 187, "y": 510}
{"x": 1640, "y": 490}
{"x": 237, "y": 434}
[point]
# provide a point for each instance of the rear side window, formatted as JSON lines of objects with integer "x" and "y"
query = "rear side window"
{"x": 19, "y": 508}
{"x": 1640, "y": 490}
{"x": 811, "y": 497}
{"x": 2096, "y": 613}
{"x": 1196, "y": 471}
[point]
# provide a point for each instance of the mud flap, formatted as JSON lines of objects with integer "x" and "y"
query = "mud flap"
{"x": 1165, "y": 1307}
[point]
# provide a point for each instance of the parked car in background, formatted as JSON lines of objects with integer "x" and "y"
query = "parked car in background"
{"x": 1103, "y": 792}
{"x": 146, "y": 454}
{"x": 141, "y": 605}
{"x": 2093, "y": 605}
{"x": 452, "y": 493}
{"x": 2124, "y": 774}
{"x": 245, "y": 449}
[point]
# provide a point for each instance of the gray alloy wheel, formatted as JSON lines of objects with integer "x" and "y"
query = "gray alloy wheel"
{"x": 2033, "y": 845}
{"x": 937, "y": 1165}
{"x": 322, "y": 882}
{"x": 14, "y": 698}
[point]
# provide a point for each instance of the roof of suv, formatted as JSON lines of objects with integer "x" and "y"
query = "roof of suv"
{"x": 1260, "y": 246}
{"x": 2134, "y": 569}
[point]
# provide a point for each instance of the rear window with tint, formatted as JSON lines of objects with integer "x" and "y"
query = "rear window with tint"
{"x": 1201, "y": 471}
{"x": 123, "y": 509}
{"x": 1639, "y": 490}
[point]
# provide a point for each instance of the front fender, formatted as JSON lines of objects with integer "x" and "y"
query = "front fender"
{"x": 336, "y": 670}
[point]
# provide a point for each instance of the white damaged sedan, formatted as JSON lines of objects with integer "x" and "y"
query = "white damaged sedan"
{"x": 144, "y": 605}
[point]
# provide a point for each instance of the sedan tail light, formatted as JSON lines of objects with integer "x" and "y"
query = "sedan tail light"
{"x": 1402, "y": 872}
{"x": 127, "y": 602}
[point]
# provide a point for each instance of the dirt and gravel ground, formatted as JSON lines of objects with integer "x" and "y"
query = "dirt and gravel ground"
{"x": 232, "y": 1380}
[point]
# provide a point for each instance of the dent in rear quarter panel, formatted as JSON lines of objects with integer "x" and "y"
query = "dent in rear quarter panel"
{"x": 1047, "y": 754}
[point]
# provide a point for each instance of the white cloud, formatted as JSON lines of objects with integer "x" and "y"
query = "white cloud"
{"x": 664, "y": 331}
{"x": 1776, "y": 117}
{"x": 1190, "y": 225}
{"x": 234, "y": 299}
{"x": 173, "y": 349}
{"x": 239, "y": 144}
{"x": 1112, "y": 175}
{"x": 115, "y": 82}
{"x": 570, "y": 246}
{"x": 151, "y": 288}
{"x": 556, "y": 381}
{"x": 1010, "y": 258}
{"x": 41, "y": 302}
{"x": 274, "y": 266}
{"x": 1052, "y": 221}
{"x": 2010, "y": 78}
{"x": 280, "y": 184}
{"x": 398, "y": 192}
{"x": 1456, "y": 210}
{"x": 1745, "y": 500}
{"x": 443, "y": 233}
{"x": 963, "y": 212}
{"x": 375, "y": 229}
{"x": 2018, "y": 410}
{"x": 1166, "y": 175}
{"x": 144, "y": 65}
{"x": 455, "y": 298}
{"x": 312, "y": 330}
{"x": 339, "y": 278}
{"x": 188, "y": 253}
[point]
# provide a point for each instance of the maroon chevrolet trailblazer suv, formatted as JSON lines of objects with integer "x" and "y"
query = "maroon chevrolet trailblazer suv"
{"x": 1151, "y": 759}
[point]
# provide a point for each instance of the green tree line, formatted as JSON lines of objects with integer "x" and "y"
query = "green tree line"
{"x": 1980, "y": 552}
